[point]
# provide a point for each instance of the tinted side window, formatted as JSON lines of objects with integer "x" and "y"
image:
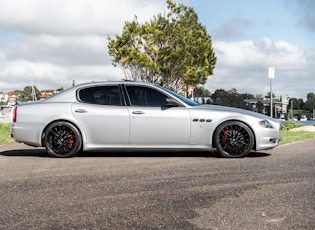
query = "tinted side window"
{"x": 143, "y": 96}
{"x": 102, "y": 95}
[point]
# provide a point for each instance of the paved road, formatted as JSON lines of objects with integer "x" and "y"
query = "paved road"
{"x": 267, "y": 190}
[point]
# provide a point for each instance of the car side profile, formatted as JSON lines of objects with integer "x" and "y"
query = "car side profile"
{"x": 128, "y": 115}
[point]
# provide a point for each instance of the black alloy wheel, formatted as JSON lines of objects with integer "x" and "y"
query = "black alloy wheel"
{"x": 62, "y": 139}
{"x": 234, "y": 139}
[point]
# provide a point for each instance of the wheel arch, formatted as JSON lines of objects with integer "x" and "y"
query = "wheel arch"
{"x": 231, "y": 120}
{"x": 63, "y": 120}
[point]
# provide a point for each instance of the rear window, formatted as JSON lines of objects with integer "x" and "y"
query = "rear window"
{"x": 101, "y": 95}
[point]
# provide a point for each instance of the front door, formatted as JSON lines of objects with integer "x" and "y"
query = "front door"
{"x": 152, "y": 123}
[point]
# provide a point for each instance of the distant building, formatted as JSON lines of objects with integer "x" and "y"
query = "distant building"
{"x": 3, "y": 97}
{"x": 285, "y": 103}
{"x": 202, "y": 100}
{"x": 9, "y": 98}
{"x": 47, "y": 93}
{"x": 261, "y": 105}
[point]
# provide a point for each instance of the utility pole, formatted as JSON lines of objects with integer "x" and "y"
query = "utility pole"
{"x": 271, "y": 76}
{"x": 34, "y": 98}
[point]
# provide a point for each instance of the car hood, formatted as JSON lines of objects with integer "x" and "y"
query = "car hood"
{"x": 236, "y": 110}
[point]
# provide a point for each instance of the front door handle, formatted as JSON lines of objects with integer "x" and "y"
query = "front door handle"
{"x": 138, "y": 112}
{"x": 80, "y": 111}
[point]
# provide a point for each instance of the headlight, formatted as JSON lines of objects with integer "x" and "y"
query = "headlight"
{"x": 265, "y": 124}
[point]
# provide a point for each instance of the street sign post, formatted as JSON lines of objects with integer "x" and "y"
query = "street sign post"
{"x": 271, "y": 75}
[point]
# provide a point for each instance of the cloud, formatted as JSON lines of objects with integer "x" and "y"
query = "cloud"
{"x": 232, "y": 29}
{"x": 307, "y": 18}
{"x": 56, "y": 41}
{"x": 69, "y": 17}
{"x": 60, "y": 50}
{"x": 49, "y": 76}
{"x": 244, "y": 66}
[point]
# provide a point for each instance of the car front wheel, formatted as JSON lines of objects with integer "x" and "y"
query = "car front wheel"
{"x": 62, "y": 139}
{"x": 234, "y": 139}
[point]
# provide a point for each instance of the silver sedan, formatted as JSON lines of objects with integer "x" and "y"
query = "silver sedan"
{"x": 138, "y": 116}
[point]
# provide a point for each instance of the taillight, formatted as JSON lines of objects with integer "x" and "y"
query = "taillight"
{"x": 14, "y": 114}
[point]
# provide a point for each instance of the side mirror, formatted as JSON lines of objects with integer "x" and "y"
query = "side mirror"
{"x": 170, "y": 102}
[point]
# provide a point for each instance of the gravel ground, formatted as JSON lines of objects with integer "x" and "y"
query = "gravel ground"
{"x": 271, "y": 189}
{"x": 304, "y": 128}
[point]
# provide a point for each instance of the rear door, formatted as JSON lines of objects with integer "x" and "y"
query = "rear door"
{"x": 103, "y": 116}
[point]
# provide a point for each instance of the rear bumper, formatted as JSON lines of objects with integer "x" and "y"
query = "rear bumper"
{"x": 27, "y": 133}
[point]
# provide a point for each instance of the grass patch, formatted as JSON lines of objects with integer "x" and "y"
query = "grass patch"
{"x": 290, "y": 137}
{"x": 5, "y": 133}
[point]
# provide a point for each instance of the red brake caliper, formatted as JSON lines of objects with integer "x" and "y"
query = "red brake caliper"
{"x": 226, "y": 132}
{"x": 71, "y": 140}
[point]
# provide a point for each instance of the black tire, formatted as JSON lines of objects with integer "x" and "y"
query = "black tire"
{"x": 62, "y": 139}
{"x": 234, "y": 139}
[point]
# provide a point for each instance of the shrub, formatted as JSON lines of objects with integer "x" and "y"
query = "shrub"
{"x": 290, "y": 125}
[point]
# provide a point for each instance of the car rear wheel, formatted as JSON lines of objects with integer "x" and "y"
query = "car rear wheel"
{"x": 62, "y": 139}
{"x": 234, "y": 139}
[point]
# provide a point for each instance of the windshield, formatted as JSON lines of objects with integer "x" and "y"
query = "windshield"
{"x": 180, "y": 97}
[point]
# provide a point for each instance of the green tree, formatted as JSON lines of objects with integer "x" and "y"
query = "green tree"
{"x": 301, "y": 103}
{"x": 231, "y": 98}
{"x": 26, "y": 94}
{"x": 202, "y": 92}
{"x": 220, "y": 97}
{"x": 173, "y": 49}
{"x": 268, "y": 95}
{"x": 310, "y": 102}
{"x": 296, "y": 103}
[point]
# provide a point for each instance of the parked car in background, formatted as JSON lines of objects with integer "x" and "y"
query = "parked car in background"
{"x": 303, "y": 118}
{"x": 128, "y": 115}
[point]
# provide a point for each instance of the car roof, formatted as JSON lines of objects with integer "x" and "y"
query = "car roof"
{"x": 126, "y": 82}
{"x": 69, "y": 94}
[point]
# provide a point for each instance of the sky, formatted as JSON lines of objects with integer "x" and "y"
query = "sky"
{"x": 53, "y": 42}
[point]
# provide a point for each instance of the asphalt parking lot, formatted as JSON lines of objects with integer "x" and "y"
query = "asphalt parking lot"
{"x": 272, "y": 189}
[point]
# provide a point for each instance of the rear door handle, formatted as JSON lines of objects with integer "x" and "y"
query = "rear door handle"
{"x": 80, "y": 111}
{"x": 137, "y": 112}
